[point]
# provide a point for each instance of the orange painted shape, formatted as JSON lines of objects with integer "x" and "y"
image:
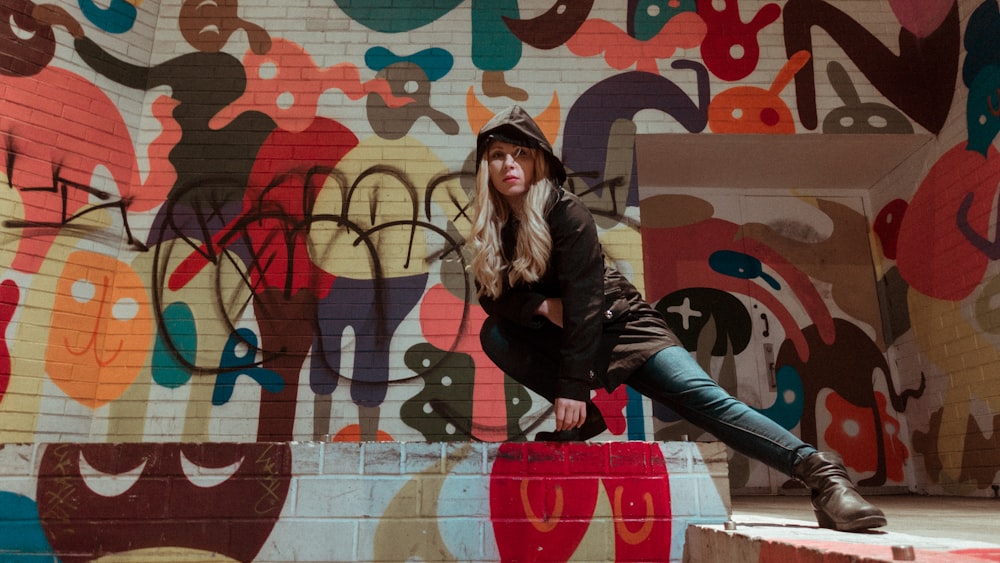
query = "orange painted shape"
{"x": 100, "y": 330}
{"x": 686, "y": 30}
{"x": 286, "y": 84}
{"x": 748, "y": 109}
{"x": 352, "y": 433}
{"x": 548, "y": 120}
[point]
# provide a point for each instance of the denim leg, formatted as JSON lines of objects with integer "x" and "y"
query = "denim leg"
{"x": 675, "y": 379}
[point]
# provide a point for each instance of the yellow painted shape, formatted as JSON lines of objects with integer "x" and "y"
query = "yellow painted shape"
{"x": 949, "y": 341}
{"x": 372, "y": 221}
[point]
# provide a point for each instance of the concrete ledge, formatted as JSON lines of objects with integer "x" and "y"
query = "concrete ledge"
{"x": 760, "y": 539}
{"x": 379, "y": 501}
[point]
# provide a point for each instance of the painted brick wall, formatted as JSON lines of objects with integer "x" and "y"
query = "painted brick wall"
{"x": 257, "y": 236}
{"x": 321, "y": 502}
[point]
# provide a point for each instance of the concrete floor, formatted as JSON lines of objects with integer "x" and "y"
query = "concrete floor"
{"x": 959, "y": 518}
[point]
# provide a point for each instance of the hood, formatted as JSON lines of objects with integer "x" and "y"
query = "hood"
{"x": 514, "y": 125}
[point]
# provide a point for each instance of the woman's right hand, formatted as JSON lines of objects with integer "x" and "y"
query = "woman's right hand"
{"x": 570, "y": 413}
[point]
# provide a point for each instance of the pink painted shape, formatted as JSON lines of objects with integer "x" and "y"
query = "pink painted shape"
{"x": 684, "y": 31}
{"x": 921, "y": 17}
{"x": 162, "y": 174}
{"x": 58, "y": 120}
{"x": 441, "y": 321}
{"x": 286, "y": 84}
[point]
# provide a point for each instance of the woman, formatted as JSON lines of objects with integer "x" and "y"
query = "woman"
{"x": 562, "y": 322}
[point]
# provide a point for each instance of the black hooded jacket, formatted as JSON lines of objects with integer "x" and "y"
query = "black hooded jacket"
{"x": 608, "y": 330}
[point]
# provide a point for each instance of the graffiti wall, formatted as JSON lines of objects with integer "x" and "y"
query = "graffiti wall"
{"x": 315, "y": 502}
{"x": 244, "y": 221}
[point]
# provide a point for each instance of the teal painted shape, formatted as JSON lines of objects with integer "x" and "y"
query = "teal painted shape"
{"x": 434, "y": 62}
{"x": 790, "y": 402}
{"x": 22, "y": 537}
{"x": 651, "y": 15}
{"x": 635, "y": 415}
{"x": 118, "y": 17}
{"x": 494, "y": 46}
{"x": 181, "y": 340}
{"x": 233, "y": 365}
{"x": 740, "y": 265}
{"x": 982, "y": 110}
{"x": 396, "y": 16}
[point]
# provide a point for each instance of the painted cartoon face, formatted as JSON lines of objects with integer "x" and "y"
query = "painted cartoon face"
{"x": 512, "y": 169}
{"x": 208, "y": 24}
{"x": 161, "y": 495}
{"x": 101, "y": 329}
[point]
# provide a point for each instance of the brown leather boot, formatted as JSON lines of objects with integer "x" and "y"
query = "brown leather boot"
{"x": 837, "y": 503}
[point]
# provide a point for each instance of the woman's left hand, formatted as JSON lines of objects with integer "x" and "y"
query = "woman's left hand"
{"x": 570, "y": 413}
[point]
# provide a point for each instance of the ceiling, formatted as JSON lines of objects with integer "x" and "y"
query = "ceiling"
{"x": 803, "y": 161}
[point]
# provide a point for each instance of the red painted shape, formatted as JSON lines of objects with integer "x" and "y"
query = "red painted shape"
{"x": 817, "y": 551}
{"x": 9, "y": 295}
{"x": 612, "y": 406}
{"x": 285, "y": 180}
{"x": 641, "y": 506}
{"x": 731, "y": 50}
{"x": 852, "y": 433}
{"x": 543, "y": 498}
{"x": 933, "y": 255}
{"x": 886, "y": 226}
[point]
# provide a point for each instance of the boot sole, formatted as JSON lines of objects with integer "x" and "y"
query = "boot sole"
{"x": 857, "y": 525}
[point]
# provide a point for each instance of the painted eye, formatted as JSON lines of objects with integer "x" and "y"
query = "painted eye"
{"x": 109, "y": 484}
{"x": 207, "y": 477}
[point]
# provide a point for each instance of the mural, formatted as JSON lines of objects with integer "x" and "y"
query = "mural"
{"x": 225, "y": 225}
{"x": 246, "y": 501}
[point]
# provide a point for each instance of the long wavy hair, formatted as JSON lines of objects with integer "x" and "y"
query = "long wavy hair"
{"x": 491, "y": 212}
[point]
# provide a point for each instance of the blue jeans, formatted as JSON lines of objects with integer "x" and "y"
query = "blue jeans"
{"x": 675, "y": 379}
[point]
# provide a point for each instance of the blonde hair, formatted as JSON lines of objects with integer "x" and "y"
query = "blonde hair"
{"x": 491, "y": 212}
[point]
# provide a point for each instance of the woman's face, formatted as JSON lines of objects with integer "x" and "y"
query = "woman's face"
{"x": 512, "y": 169}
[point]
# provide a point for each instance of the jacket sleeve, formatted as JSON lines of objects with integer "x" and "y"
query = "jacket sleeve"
{"x": 515, "y": 305}
{"x": 579, "y": 266}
